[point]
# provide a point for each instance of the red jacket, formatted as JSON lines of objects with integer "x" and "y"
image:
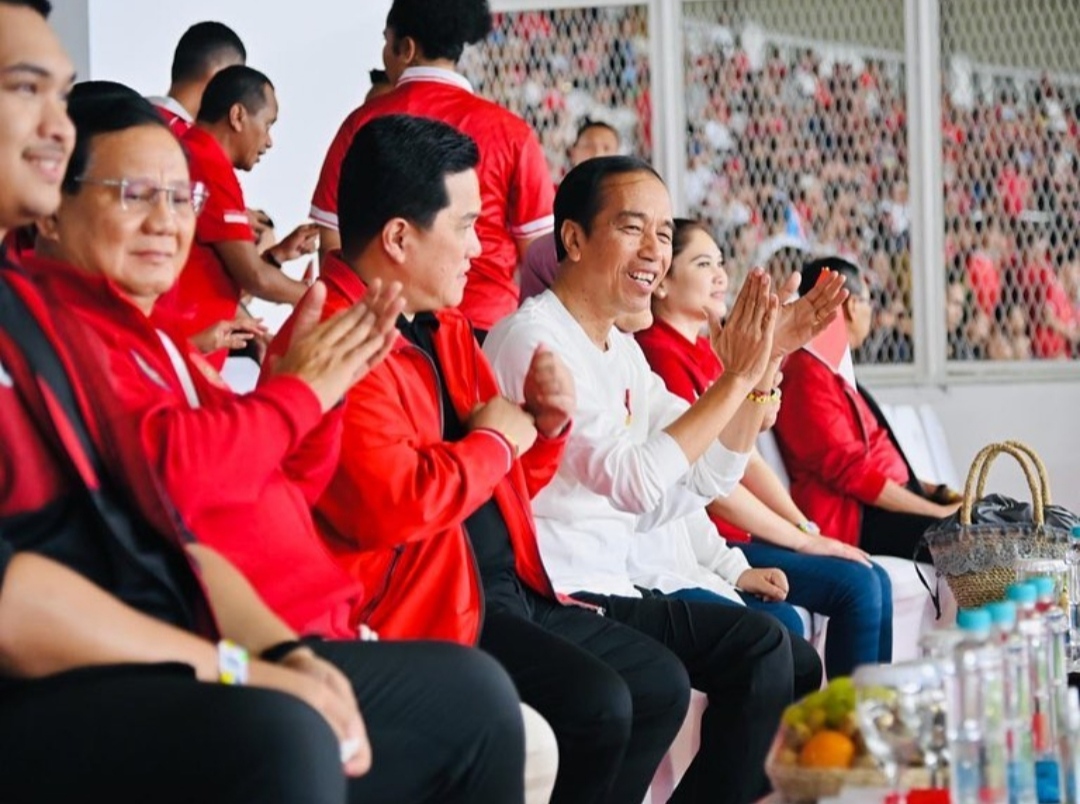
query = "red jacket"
{"x": 46, "y": 474}
{"x": 394, "y": 510}
{"x": 242, "y": 471}
{"x": 837, "y": 454}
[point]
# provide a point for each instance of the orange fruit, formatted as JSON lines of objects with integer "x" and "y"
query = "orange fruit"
{"x": 827, "y": 749}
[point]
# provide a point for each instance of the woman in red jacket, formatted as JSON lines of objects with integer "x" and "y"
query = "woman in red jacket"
{"x": 825, "y": 576}
{"x": 847, "y": 471}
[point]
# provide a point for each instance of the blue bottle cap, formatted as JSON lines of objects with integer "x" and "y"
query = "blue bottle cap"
{"x": 1003, "y": 614}
{"x": 973, "y": 620}
{"x": 1076, "y": 532}
{"x": 1022, "y": 593}
{"x": 1044, "y": 586}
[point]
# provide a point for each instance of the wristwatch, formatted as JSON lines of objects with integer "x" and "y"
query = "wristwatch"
{"x": 232, "y": 662}
{"x": 808, "y": 527}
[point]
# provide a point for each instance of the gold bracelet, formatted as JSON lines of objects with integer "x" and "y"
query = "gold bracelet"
{"x": 764, "y": 397}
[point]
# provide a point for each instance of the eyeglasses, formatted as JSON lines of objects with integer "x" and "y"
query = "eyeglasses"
{"x": 183, "y": 198}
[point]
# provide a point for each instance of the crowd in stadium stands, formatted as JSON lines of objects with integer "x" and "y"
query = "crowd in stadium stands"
{"x": 805, "y": 152}
{"x": 554, "y": 68}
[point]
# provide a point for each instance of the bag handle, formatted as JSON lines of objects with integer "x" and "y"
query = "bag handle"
{"x": 980, "y": 467}
{"x": 1040, "y": 467}
{"x": 1033, "y": 471}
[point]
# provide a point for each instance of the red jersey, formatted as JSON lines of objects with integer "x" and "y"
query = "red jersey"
{"x": 1044, "y": 291}
{"x": 515, "y": 183}
{"x": 984, "y": 275}
{"x": 687, "y": 369}
{"x": 205, "y": 293}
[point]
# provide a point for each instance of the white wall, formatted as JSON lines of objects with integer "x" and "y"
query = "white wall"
{"x": 1044, "y": 415}
{"x": 70, "y": 20}
{"x": 317, "y": 54}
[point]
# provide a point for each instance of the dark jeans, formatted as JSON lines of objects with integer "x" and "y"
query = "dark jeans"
{"x": 444, "y": 723}
{"x": 743, "y": 661}
{"x": 781, "y": 610}
{"x": 856, "y": 599}
{"x": 614, "y": 697}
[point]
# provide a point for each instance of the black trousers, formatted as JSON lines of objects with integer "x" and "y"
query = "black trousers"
{"x": 614, "y": 697}
{"x": 744, "y": 661}
{"x": 444, "y": 723}
{"x": 889, "y": 533}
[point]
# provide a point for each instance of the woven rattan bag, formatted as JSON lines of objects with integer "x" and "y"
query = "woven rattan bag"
{"x": 976, "y": 549}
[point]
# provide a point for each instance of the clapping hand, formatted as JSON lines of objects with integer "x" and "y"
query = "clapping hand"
{"x": 549, "y": 392}
{"x": 745, "y": 343}
{"x": 801, "y": 320}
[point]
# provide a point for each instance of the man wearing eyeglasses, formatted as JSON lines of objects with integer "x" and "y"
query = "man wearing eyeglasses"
{"x": 231, "y": 133}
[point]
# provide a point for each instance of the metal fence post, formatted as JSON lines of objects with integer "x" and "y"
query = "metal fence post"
{"x": 922, "y": 47}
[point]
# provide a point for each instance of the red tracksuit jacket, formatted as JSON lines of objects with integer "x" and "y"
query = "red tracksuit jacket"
{"x": 393, "y": 511}
{"x": 242, "y": 471}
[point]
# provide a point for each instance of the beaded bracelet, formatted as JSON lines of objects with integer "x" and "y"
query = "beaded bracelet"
{"x": 764, "y": 397}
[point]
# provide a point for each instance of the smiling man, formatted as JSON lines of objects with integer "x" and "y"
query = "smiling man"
{"x": 429, "y": 505}
{"x": 639, "y": 453}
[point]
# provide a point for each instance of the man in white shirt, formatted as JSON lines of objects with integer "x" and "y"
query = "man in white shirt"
{"x": 636, "y": 449}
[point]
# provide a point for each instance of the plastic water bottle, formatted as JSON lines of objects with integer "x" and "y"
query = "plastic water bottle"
{"x": 977, "y": 745}
{"x": 1044, "y": 729}
{"x": 939, "y": 644}
{"x": 1017, "y": 673}
{"x": 1072, "y": 558}
{"x": 1056, "y": 621}
{"x": 1071, "y": 747}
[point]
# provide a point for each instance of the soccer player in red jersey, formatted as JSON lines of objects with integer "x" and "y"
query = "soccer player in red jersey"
{"x": 423, "y": 43}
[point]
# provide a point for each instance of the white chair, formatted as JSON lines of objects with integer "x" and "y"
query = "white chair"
{"x": 944, "y": 468}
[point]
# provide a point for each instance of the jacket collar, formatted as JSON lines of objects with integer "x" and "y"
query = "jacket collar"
{"x": 78, "y": 287}
{"x": 436, "y": 75}
{"x": 344, "y": 281}
{"x": 172, "y": 105}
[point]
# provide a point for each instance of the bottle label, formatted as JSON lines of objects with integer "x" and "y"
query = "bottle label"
{"x": 1048, "y": 781}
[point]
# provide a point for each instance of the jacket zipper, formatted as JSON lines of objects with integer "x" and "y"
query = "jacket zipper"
{"x": 476, "y": 583}
{"x": 373, "y": 604}
{"x": 464, "y": 530}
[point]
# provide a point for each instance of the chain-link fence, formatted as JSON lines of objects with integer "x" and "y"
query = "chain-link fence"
{"x": 797, "y": 143}
{"x": 558, "y": 68}
{"x": 1011, "y": 169}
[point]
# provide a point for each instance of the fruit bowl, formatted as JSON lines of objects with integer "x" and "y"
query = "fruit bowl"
{"x": 819, "y": 749}
{"x": 795, "y": 783}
